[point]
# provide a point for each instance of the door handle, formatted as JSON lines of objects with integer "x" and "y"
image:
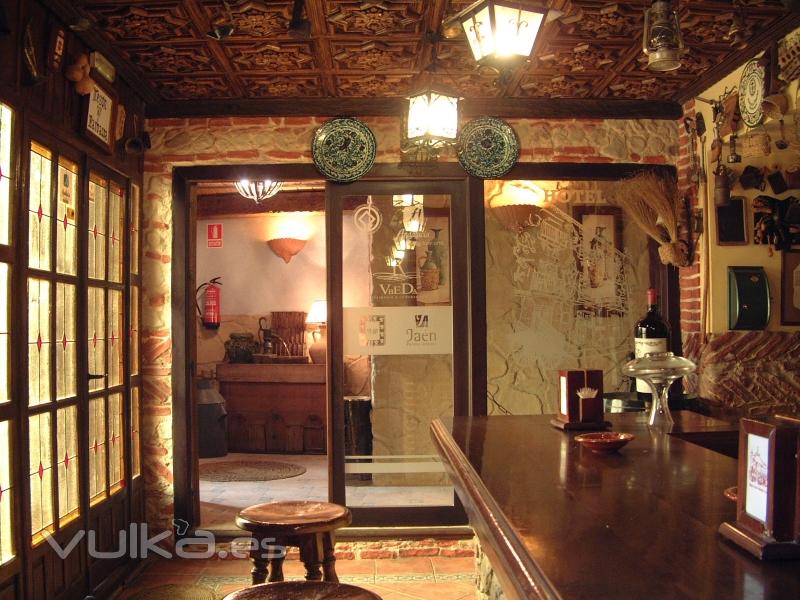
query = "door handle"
{"x": 96, "y": 376}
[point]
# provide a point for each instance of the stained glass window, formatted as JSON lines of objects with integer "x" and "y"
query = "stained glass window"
{"x": 41, "y": 475}
{"x": 135, "y": 227}
{"x": 116, "y": 446}
{"x": 98, "y": 207}
{"x": 67, "y": 463}
{"x": 116, "y": 228}
{"x": 136, "y": 453}
{"x": 6, "y": 511}
{"x": 66, "y": 341}
{"x": 97, "y": 450}
{"x": 4, "y": 337}
{"x": 134, "y": 330}
{"x": 97, "y": 337}
{"x": 115, "y": 338}
{"x": 6, "y": 130}
{"x": 40, "y": 207}
{"x": 66, "y": 216}
{"x": 39, "y": 319}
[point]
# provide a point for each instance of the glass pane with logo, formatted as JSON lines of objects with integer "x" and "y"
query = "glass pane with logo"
{"x": 134, "y": 329}
{"x": 116, "y": 232}
{"x": 40, "y": 207}
{"x": 135, "y": 228}
{"x": 5, "y": 273}
{"x": 136, "y": 452}
{"x": 39, "y": 357}
{"x": 115, "y": 338}
{"x": 97, "y": 450}
{"x": 98, "y": 211}
{"x": 398, "y": 346}
{"x": 97, "y": 338}
{"x": 67, "y": 465}
{"x": 41, "y": 475}
{"x": 67, "y": 217}
{"x": 66, "y": 341}
{"x": 6, "y": 137}
{"x": 6, "y": 508}
{"x": 115, "y": 443}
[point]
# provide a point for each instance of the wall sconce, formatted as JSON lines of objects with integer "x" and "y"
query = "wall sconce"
{"x": 501, "y": 35}
{"x": 318, "y": 316}
{"x": 662, "y": 41}
{"x": 517, "y": 203}
{"x": 430, "y": 123}
{"x": 287, "y": 234}
{"x": 258, "y": 191}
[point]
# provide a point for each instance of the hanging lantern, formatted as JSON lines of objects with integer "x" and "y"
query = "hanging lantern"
{"x": 414, "y": 218}
{"x": 431, "y": 122}
{"x": 258, "y": 191}
{"x": 661, "y": 40}
{"x": 500, "y": 34}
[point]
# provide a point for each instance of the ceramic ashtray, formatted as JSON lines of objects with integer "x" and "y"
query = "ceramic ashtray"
{"x": 604, "y": 442}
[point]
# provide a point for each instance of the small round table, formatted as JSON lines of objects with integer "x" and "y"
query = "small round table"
{"x": 303, "y": 590}
{"x": 310, "y": 526}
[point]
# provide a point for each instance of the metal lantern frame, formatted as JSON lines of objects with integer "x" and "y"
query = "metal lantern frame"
{"x": 487, "y": 54}
{"x": 663, "y": 51}
{"x": 258, "y": 191}
{"x": 425, "y": 145}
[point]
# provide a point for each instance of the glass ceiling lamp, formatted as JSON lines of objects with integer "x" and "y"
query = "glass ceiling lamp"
{"x": 501, "y": 35}
{"x": 258, "y": 191}
{"x": 430, "y": 123}
{"x": 661, "y": 40}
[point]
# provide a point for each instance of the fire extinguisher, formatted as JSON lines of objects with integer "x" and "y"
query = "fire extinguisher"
{"x": 211, "y": 303}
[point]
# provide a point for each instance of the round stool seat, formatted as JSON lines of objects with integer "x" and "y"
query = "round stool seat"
{"x": 303, "y": 590}
{"x": 293, "y": 517}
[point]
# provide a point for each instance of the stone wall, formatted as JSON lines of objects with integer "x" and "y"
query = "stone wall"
{"x": 489, "y": 587}
{"x": 258, "y": 140}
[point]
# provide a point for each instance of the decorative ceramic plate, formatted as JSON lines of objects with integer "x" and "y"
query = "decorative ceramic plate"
{"x": 751, "y": 93}
{"x": 344, "y": 149}
{"x": 487, "y": 147}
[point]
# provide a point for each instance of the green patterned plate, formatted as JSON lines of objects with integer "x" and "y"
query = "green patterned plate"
{"x": 344, "y": 149}
{"x": 487, "y": 147}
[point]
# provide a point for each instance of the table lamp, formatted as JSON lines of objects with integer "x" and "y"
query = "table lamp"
{"x": 318, "y": 315}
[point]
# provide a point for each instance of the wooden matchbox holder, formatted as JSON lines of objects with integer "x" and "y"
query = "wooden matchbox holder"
{"x": 575, "y": 413}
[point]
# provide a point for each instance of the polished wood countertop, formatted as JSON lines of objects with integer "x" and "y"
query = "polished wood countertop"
{"x": 558, "y": 521}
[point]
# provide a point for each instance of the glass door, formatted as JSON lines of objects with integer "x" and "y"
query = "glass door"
{"x": 396, "y": 362}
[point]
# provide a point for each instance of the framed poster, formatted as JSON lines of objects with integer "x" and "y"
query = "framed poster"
{"x": 98, "y": 116}
{"x": 790, "y": 287}
{"x": 599, "y": 259}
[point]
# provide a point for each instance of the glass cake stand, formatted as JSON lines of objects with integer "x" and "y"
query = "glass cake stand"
{"x": 659, "y": 370}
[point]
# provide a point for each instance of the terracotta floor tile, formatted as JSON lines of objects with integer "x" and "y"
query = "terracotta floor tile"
{"x": 424, "y": 591}
{"x": 453, "y": 565}
{"x": 397, "y": 566}
{"x": 355, "y": 567}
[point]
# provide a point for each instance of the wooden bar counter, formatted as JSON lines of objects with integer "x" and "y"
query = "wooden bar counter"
{"x": 557, "y": 521}
{"x": 273, "y": 407}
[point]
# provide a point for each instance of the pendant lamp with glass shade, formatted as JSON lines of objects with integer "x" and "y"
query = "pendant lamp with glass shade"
{"x": 258, "y": 191}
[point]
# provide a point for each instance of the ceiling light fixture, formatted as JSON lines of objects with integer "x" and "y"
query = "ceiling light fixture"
{"x": 430, "y": 123}
{"x": 501, "y": 35}
{"x": 661, "y": 40}
{"x": 258, "y": 191}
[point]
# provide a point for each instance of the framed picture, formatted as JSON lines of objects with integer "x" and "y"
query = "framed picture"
{"x": 599, "y": 260}
{"x": 732, "y": 222}
{"x": 790, "y": 287}
{"x": 98, "y": 122}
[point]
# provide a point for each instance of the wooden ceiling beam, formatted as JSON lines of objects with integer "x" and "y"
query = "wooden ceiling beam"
{"x": 534, "y": 108}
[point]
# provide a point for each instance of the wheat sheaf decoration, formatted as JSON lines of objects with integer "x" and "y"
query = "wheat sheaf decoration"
{"x": 651, "y": 202}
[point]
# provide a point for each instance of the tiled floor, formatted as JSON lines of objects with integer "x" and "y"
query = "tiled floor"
{"x": 220, "y": 502}
{"x": 392, "y": 579}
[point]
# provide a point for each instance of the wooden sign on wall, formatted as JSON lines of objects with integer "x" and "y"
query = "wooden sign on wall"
{"x": 98, "y": 117}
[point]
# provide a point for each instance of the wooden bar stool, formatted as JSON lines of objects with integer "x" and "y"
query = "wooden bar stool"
{"x": 308, "y": 525}
{"x": 303, "y": 590}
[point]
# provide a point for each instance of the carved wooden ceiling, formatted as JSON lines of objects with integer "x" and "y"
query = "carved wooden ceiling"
{"x": 588, "y": 49}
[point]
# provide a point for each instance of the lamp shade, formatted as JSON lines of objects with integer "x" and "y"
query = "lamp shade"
{"x": 318, "y": 313}
{"x": 500, "y": 34}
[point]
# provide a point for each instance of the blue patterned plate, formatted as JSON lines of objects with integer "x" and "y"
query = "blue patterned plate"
{"x": 344, "y": 149}
{"x": 487, "y": 147}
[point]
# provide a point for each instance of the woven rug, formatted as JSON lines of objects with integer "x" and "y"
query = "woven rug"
{"x": 176, "y": 592}
{"x": 243, "y": 470}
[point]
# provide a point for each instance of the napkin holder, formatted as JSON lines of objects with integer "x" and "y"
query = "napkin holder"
{"x": 580, "y": 401}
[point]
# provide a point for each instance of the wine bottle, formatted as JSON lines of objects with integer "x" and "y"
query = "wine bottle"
{"x": 651, "y": 334}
